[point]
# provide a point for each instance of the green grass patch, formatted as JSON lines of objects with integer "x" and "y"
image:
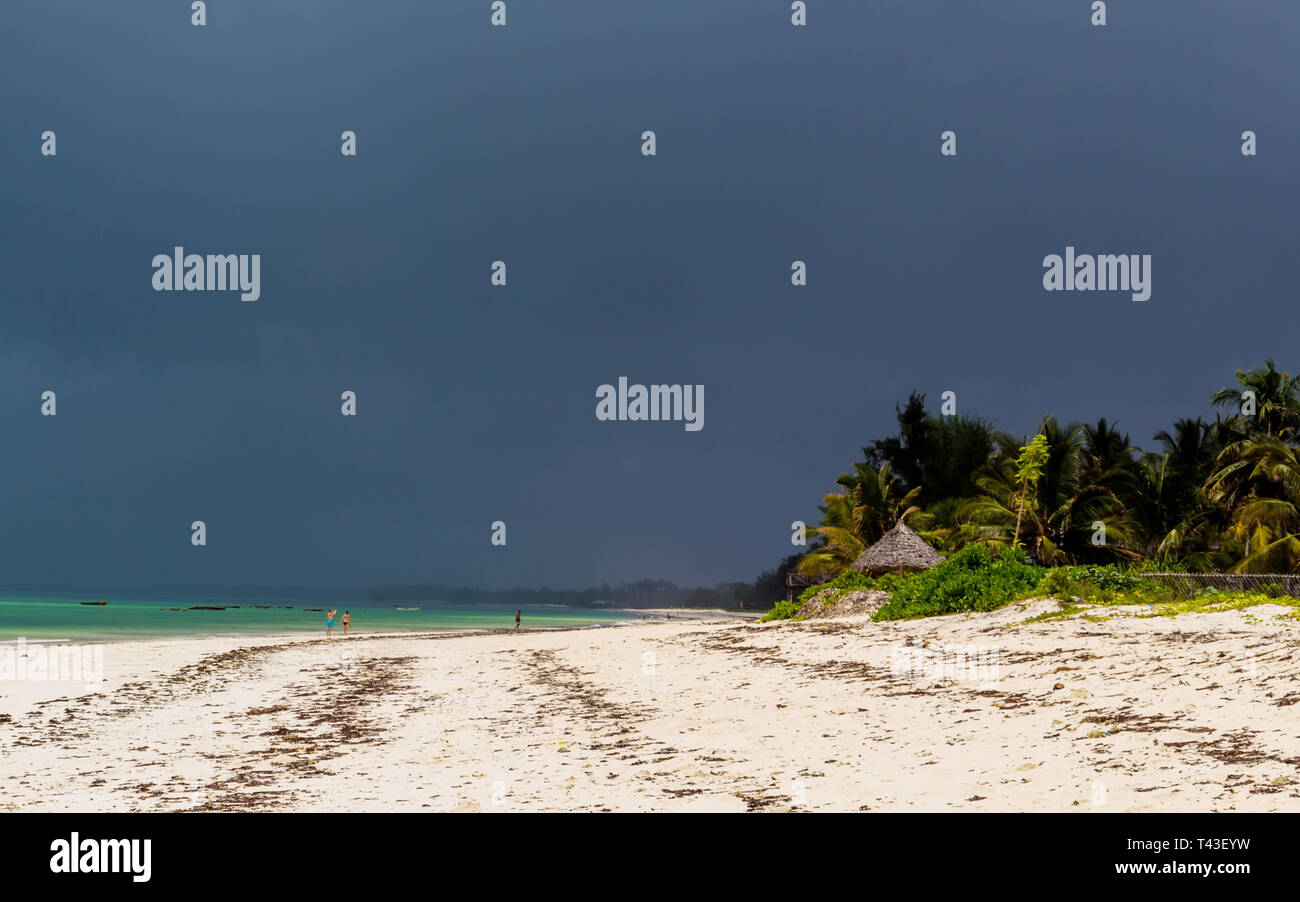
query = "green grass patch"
{"x": 1103, "y": 585}
{"x": 1212, "y": 602}
{"x": 1205, "y": 602}
{"x": 782, "y": 610}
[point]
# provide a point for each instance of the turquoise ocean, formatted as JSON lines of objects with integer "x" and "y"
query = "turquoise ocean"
{"x": 68, "y": 618}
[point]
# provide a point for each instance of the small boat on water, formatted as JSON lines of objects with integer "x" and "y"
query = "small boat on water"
{"x": 396, "y": 608}
{"x": 95, "y": 602}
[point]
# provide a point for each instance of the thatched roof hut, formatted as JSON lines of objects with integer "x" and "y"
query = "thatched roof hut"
{"x": 899, "y": 551}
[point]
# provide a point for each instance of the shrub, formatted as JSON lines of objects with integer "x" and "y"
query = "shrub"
{"x": 782, "y": 610}
{"x": 973, "y": 579}
{"x": 1107, "y": 584}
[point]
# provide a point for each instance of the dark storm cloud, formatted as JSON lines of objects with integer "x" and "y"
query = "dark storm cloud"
{"x": 522, "y": 144}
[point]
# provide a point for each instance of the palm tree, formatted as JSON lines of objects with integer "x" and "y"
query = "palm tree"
{"x": 1172, "y": 519}
{"x": 1171, "y": 514}
{"x": 1057, "y": 515}
{"x": 1109, "y": 452}
{"x": 1109, "y": 460}
{"x": 1258, "y": 482}
{"x": 1192, "y": 445}
{"x": 871, "y": 504}
{"x": 1151, "y": 502}
{"x": 1277, "y": 402}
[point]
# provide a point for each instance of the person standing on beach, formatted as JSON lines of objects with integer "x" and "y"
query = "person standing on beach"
{"x": 347, "y": 621}
{"x": 518, "y": 615}
{"x": 329, "y": 621}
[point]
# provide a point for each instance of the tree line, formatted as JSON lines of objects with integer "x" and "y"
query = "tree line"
{"x": 1219, "y": 494}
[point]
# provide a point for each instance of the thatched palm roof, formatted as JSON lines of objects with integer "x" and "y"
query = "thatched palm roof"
{"x": 898, "y": 550}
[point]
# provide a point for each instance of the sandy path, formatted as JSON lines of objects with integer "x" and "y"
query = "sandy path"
{"x": 1193, "y": 713}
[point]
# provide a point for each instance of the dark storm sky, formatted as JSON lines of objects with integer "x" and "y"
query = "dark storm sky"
{"x": 523, "y": 144}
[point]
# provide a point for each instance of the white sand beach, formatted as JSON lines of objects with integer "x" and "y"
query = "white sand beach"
{"x": 967, "y": 712}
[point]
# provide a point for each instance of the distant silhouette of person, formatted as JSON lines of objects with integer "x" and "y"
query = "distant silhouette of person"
{"x": 518, "y": 615}
{"x": 347, "y": 621}
{"x": 329, "y": 621}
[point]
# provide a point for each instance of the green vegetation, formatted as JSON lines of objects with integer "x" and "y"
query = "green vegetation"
{"x": 1206, "y": 602}
{"x": 848, "y": 581}
{"x": 782, "y": 610}
{"x": 870, "y": 505}
{"x": 980, "y": 579}
{"x": 974, "y": 579}
{"x": 1103, "y": 585}
{"x": 1215, "y": 496}
{"x": 1029, "y": 469}
{"x": 1225, "y": 601}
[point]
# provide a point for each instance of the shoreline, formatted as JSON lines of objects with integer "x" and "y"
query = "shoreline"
{"x": 977, "y": 712}
{"x": 303, "y": 635}
{"x": 682, "y": 614}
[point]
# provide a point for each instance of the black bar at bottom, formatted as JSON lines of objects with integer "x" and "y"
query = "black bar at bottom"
{"x": 537, "y": 852}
